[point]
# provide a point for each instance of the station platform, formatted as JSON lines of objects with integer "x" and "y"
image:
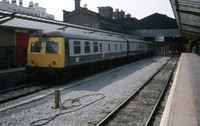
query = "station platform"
{"x": 183, "y": 104}
{"x": 11, "y": 77}
{"x": 3, "y": 71}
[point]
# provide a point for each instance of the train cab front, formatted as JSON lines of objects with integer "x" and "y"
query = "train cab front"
{"x": 45, "y": 55}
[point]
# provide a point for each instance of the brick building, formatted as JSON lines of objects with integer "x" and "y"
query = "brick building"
{"x": 84, "y": 17}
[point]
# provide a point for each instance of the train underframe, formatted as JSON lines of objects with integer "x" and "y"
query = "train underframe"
{"x": 43, "y": 72}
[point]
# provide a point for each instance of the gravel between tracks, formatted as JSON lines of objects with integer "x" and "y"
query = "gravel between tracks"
{"x": 92, "y": 100}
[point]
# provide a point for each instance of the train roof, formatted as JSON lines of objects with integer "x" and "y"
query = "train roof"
{"x": 138, "y": 41}
{"x": 74, "y": 35}
{"x": 86, "y": 36}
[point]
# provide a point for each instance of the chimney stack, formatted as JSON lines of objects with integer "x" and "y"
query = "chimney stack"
{"x": 36, "y": 4}
{"x": 77, "y": 5}
{"x": 31, "y": 4}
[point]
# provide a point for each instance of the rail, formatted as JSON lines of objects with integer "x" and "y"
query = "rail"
{"x": 111, "y": 115}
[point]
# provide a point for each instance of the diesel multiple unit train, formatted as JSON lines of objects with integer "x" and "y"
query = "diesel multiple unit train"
{"x": 50, "y": 51}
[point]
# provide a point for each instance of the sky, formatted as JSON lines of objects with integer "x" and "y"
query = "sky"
{"x": 137, "y": 8}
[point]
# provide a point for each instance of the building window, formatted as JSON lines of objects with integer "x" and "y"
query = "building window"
{"x": 95, "y": 46}
{"x": 86, "y": 25}
{"x": 77, "y": 47}
{"x": 120, "y": 46}
{"x": 95, "y": 25}
{"x": 87, "y": 47}
{"x": 115, "y": 47}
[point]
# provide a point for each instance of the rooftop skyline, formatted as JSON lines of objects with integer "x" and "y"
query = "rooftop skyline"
{"x": 138, "y": 9}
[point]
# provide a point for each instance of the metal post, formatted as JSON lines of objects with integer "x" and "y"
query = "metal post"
{"x": 57, "y": 98}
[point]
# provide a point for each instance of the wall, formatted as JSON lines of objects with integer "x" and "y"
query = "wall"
{"x": 13, "y": 47}
{"x": 7, "y": 47}
{"x": 7, "y": 37}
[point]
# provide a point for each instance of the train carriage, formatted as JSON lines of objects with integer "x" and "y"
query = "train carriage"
{"x": 50, "y": 50}
{"x": 92, "y": 48}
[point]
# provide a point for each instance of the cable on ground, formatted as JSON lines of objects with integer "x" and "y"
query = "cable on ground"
{"x": 76, "y": 102}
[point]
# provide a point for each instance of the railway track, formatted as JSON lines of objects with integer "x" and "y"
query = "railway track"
{"x": 138, "y": 109}
{"x": 36, "y": 86}
{"x": 12, "y": 95}
{"x": 21, "y": 91}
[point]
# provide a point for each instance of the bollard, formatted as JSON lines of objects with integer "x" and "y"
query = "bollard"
{"x": 57, "y": 98}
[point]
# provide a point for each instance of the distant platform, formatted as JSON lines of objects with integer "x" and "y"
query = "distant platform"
{"x": 183, "y": 105}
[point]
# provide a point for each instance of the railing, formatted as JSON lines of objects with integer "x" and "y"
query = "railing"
{"x": 11, "y": 56}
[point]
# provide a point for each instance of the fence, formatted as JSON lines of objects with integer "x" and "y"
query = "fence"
{"x": 11, "y": 56}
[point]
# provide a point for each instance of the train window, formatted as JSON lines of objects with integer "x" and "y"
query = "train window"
{"x": 77, "y": 47}
{"x": 108, "y": 47}
{"x": 130, "y": 46}
{"x": 115, "y": 47}
{"x": 95, "y": 46}
{"x": 120, "y": 46}
{"x": 140, "y": 46}
{"x": 52, "y": 47}
{"x": 36, "y": 47}
{"x": 100, "y": 47}
{"x": 87, "y": 47}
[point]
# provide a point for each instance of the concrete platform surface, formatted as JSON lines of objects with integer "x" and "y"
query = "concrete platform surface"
{"x": 3, "y": 71}
{"x": 183, "y": 105}
{"x": 11, "y": 77}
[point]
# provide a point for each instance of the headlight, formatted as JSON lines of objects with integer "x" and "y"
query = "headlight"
{"x": 54, "y": 62}
{"x": 32, "y": 61}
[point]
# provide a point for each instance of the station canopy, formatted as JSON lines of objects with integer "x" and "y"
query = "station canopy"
{"x": 26, "y": 22}
{"x": 187, "y": 14}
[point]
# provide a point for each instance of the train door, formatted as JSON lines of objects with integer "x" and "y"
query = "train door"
{"x": 127, "y": 47}
{"x": 67, "y": 57}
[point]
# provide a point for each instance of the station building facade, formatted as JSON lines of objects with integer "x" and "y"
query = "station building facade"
{"x": 161, "y": 30}
{"x": 104, "y": 19}
{"x": 158, "y": 28}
